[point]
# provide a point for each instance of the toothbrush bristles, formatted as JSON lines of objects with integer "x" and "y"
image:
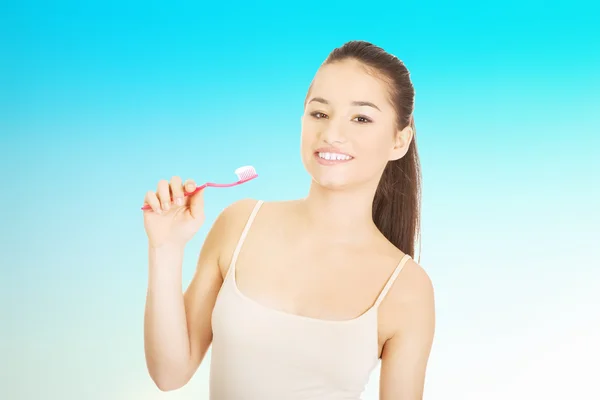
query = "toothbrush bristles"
{"x": 244, "y": 173}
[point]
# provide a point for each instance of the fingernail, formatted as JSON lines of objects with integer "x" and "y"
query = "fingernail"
{"x": 179, "y": 201}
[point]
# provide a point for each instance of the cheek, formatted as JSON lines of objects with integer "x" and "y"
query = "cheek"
{"x": 375, "y": 146}
{"x": 308, "y": 135}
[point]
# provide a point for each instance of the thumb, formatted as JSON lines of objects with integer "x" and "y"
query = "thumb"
{"x": 196, "y": 204}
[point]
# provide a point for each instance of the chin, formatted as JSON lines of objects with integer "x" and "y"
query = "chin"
{"x": 331, "y": 178}
{"x": 331, "y": 183}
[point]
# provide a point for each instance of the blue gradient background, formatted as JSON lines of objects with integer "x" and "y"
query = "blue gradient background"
{"x": 99, "y": 101}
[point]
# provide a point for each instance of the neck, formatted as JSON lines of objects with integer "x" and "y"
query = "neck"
{"x": 344, "y": 214}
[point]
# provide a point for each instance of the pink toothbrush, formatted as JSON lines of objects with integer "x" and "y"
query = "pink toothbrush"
{"x": 244, "y": 175}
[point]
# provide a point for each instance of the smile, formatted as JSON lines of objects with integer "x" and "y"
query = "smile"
{"x": 333, "y": 156}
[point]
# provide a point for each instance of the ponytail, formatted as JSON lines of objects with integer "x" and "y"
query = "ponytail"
{"x": 397, "y": 202}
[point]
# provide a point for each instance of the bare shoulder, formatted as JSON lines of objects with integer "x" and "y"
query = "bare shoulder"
{"x": 233, "y": 219}
{"x": 272, "y": 213}
{"x": 241, "y": 209}
{"x": 235, "y": 216}
{"x": 414, "y": 286}
{"x": 228, "y": 228}
{"x": 410, "y": 299}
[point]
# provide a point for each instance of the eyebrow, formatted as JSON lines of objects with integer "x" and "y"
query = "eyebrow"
{"x": 354, "y": 103}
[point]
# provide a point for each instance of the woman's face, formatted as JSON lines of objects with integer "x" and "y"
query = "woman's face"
{"x": 349, "y": 127}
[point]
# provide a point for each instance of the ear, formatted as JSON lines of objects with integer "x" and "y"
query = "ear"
{"x": 402, "y": 141}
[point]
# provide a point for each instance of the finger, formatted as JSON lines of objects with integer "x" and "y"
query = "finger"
{"x": 164, "y": 194}
{"x": 152, "y": 200}
{"x": 196, "y": 204}
{"x": 189, "y": 186}
{"x": 177, "y": 190}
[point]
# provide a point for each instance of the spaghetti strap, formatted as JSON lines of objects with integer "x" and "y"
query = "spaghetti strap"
{"x": 392, "y": 279}
{"x": 240, "y": 242}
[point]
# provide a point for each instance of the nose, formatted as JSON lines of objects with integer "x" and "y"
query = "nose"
{"x": 333, "y": 133}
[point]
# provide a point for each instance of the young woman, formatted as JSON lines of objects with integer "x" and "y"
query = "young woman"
{"x": 301, "y": 299}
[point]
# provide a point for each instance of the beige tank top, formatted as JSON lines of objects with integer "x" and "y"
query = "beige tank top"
{"x": 259, "y": 353}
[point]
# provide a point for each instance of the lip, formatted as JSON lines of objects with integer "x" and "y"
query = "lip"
{"x": 333, "y": 150}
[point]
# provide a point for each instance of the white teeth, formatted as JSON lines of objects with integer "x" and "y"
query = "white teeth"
{"x": 334, "y": 156}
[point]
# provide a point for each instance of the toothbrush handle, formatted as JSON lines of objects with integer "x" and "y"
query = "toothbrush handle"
{"x": 199, "y": 188}
{"x": 210, "y": 184}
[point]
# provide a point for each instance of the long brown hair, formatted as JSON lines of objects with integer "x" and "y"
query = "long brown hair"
{"x": 397, "y": 202}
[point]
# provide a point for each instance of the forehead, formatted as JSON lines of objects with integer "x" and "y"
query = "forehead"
{"x": 346, "y": 81}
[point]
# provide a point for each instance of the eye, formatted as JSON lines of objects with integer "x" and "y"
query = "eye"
{"x": 318, "y": 115}
{"x": 362, "y": 119}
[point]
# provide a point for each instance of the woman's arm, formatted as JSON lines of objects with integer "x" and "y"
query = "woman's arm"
{"x": 406, "y": 353}
{"x": 177, "y": 325}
